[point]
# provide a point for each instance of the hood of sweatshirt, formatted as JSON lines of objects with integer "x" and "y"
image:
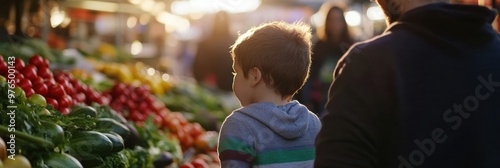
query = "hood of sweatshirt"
{"x": 289, "y": 121}
{"x": 451, "y": 26}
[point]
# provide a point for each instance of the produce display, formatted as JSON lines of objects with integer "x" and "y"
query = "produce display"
{"x": 137, "y": 74}
{"x": 107, "y": 52}
{"x": 30, "y": 47}
{"x": 35, "y": 78}
{"x": 137, "y": 103}
{"x": 199, "y": 104}
{"x": 62, "y": 120}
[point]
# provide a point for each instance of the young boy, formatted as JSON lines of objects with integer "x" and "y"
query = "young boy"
{"x": 271, "y": 63}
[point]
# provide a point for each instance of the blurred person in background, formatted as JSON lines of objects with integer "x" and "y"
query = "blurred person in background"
{"x": 333, "y": 41}
{"x": 213, "y": 64}
{"x": 426, "y": 93}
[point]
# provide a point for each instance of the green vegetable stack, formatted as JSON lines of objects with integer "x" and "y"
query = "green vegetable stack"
{"x": 85, "y": 137}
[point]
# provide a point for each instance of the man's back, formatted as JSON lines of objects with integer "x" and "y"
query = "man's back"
{"x": 425, "y": 94}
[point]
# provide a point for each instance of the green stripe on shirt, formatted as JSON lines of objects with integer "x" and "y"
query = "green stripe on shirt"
{"x": 233, "y": 144}
{"x": 283, "y": 156}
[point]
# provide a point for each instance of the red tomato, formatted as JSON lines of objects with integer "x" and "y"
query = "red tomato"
{"x": 105, "y": 100}
{"x": 45, "y": 72}
{"x": 116, "y": 106}
{"x": 60, "y": 77}
{"x": 119, "y": 88}
{"x": 75, "y": 102}
{"x": 46, "y": 62}
{"x": 30, "y": 72}
{"x": 199, "y": 163}
{"x": 187, "y": 129}
{"x": 188, "y": 140}
{"x": 197, "y": 130}
{"x": 29, "y": 92}
{"x": 187, "y": 165}
{"x": 180, "y": 117}
{"x": 133, "y": 96}
{"x": 80, "y": 97}
{"x": 143, "y": 105}
{"x": 149, "y": 99}
{"x": 69, "y": 88}
{"x": 131, "y": 105}
{"x": 18, "y": 76}
{"x": 53, "y": 102}
{"x": 158, "y": 120}
{"x": 204, "y": 157}
{"x": 64, "y": 83}
{"x": 37, "y": 80}
{"x": 172, "y": 123}
{"x": 93, "y": 95}
{"x": 37, "y": 60}
{"x": 136, "y": 115}
{"x": 64, "y": 111}
{"x": 141, "y": 90}
{"x": 41, "y": 88}
{"x": 68, "y": 75}
{"x": 77, "y": 85}
{"x": 56, "y": 91}
{"x": 49, "y": 82}
{"x": 127, "y": 92}
{"x": 25, "y": 84}
{"x": 122, "y": 99}
{"x": 19, "y": 64}
{"x": 85, "y": 89}
{"x": 65, "y": 101}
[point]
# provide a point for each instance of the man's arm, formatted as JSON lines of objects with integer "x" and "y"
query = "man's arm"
{"x": 349, "y": 131}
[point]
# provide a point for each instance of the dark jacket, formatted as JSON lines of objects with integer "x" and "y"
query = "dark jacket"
{"x": 426, "y": 93}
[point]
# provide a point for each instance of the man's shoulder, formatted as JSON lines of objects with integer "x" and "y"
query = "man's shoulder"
{"x": 381, "y": 48}
{"x": 386, "y": 41}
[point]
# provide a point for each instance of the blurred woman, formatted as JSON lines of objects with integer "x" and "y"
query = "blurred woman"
{"x": 213, "y": 63}
{"x": 334, "y": 40}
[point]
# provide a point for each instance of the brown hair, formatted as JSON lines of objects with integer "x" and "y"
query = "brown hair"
{"x": 281, "y": 51}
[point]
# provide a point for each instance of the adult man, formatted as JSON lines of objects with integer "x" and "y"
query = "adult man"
{"x": 426, "y": 93}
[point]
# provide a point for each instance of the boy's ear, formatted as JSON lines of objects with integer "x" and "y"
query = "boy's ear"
{"x": 255, "y": 75}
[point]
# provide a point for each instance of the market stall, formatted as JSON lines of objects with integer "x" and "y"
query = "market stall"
{"x": 70, "y": 102}
{"x": 107, "y": 83}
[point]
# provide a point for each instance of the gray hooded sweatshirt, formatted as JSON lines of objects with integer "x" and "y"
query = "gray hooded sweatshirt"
{"x": 269, "y": 136}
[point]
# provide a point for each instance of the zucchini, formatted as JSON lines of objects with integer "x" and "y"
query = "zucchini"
{"x": 85, "y": 144}
{"x": 62, "y": 160}
{"x": 108, "y": 112}
{"x": 117, "y": 141}
{"x": 52, "y": 131}
{"x": 110, "y": 125}
{"x": 83, "y": 111}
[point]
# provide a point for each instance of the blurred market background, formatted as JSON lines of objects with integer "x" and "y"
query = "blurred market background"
{"x": 145, "y": 83}
{"x": 165, "y": 33}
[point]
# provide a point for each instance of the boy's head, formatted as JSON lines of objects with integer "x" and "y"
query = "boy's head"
{"x": 280, "y": 51}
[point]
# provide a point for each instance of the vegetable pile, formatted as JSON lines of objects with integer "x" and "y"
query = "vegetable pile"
{"x": 39, "y": 84}
{"x": 61, "y": 121}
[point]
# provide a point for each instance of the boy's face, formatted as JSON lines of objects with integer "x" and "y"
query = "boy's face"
{"x": 242, "y": 87}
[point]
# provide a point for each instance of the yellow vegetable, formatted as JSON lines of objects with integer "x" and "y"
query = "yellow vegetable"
{"x": 19, "y": 162}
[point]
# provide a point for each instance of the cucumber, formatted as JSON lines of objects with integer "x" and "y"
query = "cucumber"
{"x": 83, "y": 111}
{"x": 86, "y": 144}
{"x": 117, "y": 141}
{"x": 62, "y": 160}
{"x": 110, "y": 125}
